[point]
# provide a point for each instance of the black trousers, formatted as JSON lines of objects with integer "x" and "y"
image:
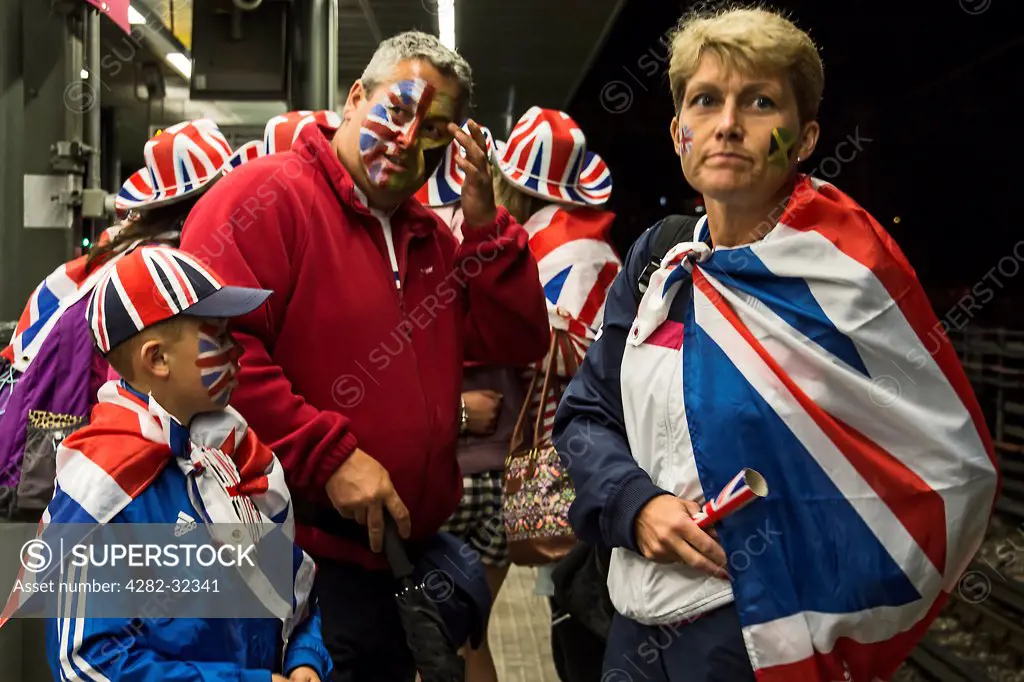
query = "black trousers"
{"x": 576, "y": 650}
{"x": 361, "y": 626}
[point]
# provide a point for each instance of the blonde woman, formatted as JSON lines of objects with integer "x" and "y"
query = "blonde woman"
{"x": 803, "y": 329}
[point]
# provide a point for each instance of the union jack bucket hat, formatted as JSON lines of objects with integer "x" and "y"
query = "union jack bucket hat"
{"x": 281, "y": 132}
{"x": 154, "y": 283}
{"x": 180, "y": 161}
{"x": 546, "y": 156}
{"x": 444, "y": 186}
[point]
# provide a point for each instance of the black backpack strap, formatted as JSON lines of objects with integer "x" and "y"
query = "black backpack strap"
{"x": 669, "y": 232}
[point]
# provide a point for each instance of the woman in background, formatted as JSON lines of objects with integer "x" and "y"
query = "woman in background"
{"x": 562, "y": 210}
{"x": 51, "y": 357}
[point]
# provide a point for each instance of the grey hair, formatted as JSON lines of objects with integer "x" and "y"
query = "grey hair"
{"x": 418, "y": 45}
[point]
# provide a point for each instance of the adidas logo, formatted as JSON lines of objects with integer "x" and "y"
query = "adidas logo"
{"x": 185, "y": 524}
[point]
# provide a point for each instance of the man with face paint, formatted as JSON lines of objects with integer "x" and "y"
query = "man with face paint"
{"x": 352, "y": 371}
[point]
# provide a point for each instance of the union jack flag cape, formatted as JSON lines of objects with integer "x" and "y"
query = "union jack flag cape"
{"x": 805, "y": 358}
{"x": 576, "y": 263}
{"x": 61, "y": 289}
{"x": 104, "y": 466}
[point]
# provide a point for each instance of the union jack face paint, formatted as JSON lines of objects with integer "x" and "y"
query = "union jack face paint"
{"x": 390, "y": 140}
{"x": 685, "y": 139}
{"x": 217, "y": 362}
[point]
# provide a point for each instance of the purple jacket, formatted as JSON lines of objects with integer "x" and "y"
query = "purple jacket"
{"x": 62, "y": 380}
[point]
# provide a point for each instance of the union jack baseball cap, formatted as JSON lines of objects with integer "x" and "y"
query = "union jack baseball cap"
{"x": 154, "y": 283}
{"x": 546, "y": 156}
{"x": 444, "y": 186}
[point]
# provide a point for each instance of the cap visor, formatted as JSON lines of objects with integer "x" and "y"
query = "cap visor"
{"x": 229, "y": 302}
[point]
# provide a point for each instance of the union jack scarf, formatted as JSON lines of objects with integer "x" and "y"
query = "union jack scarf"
{"x": 808, "y": 356}
{"x": 105, "y": 465}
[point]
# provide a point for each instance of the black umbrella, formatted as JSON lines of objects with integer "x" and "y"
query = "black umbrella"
{"x": 436, "y": 656}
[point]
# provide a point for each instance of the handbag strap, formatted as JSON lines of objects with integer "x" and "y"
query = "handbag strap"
{"x": 548, "y": 372}
{"x": 517, "y": 433}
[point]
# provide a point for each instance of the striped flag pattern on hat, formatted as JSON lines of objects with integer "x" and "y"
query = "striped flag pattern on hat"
{"x": 546, "y": 156}
{"x": 444, "y": 186}
{"x": 282, "y": 131}
{"x": 149, "y": 285}
{"x": 180, "y": 160}
{"x": 280, "y": 134}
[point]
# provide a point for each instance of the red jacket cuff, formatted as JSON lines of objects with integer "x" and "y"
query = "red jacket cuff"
{"x": 498, "y": 228}
{"x": 330, "y": 461}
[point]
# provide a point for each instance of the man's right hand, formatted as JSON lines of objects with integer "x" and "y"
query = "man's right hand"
{"x": 666, "y": 533}
{"x": 361, "y": 489}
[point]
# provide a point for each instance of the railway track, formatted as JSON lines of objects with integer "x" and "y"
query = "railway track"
{"x": 978, "y": 638}
{"x": 934, "y": 663}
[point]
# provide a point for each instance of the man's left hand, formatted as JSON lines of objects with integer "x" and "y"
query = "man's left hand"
{"x": 478, "y": 207}
{"x": 304, "y": 674}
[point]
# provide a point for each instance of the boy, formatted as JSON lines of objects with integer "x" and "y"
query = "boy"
{"x": 163, "y": 445}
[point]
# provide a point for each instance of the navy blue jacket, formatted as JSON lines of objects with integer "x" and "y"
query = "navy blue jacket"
{"x": 589, "y": 431}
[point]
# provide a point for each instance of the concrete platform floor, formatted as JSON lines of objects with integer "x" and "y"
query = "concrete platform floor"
{"x": 520, "y": 632}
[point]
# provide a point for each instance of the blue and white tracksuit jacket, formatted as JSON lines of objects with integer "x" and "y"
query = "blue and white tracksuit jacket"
{"x": 621, "y": 428}
{"x": 176, "y": 649}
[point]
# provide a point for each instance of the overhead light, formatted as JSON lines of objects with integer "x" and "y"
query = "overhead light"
{"x": 135, "y": 17}
{"x": 83, "y": 74}
{"x": 446, "y": 23}
{"x": 181, "y": 63}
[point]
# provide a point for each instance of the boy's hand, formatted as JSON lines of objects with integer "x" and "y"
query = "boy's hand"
{"x": 303, "y": 674}
{"x": 274, "y": 677}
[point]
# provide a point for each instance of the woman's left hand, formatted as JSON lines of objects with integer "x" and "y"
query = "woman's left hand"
{"x": 478, "y": 207}
{"x": 304, "y": 674}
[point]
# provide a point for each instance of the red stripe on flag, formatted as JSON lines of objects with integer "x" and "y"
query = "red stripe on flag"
{"x": 521, "y": 133}
{"x": 75, "y": 270}
{"x": 253, "y": 459}
{"x": 101, "y": 329}
{"x": 214, "y": 361}
{"x": 599, "y": 292}
{"x": 866, "y": 662}
{"x": 175, "y": 269}
{"x": 132, "y": 463}
{"x": 853, "y": 231}
{"x": 566, "y": 226}
{"x": 913, "y": 502}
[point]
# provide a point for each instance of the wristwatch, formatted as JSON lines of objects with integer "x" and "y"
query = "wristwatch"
{"x": 463, "y": 416}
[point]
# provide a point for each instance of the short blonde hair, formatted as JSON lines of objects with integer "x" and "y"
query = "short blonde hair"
{"x": 752, "y": 40}
{"x": 518, "y": 203}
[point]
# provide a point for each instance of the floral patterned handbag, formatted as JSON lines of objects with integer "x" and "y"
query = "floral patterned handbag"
{"x": 537, "y": 488}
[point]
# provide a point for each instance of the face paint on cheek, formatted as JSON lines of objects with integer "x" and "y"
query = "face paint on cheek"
{"x": 429, "y": 151}
{"x": 217, "y": 362}
{"x": 780, "y": 147}
{"x": 391, "y": 128}
{"x": 685, "y": 139}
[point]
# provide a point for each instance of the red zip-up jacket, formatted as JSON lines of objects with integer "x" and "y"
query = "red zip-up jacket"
{"x": 341, "y": 355}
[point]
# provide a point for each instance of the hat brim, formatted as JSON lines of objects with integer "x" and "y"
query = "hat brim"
{"x": 239, "y": 157}
{"x": 229, "y": 302}
{"x": 148, "y": 203}
{"x": 580, "y": 194}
